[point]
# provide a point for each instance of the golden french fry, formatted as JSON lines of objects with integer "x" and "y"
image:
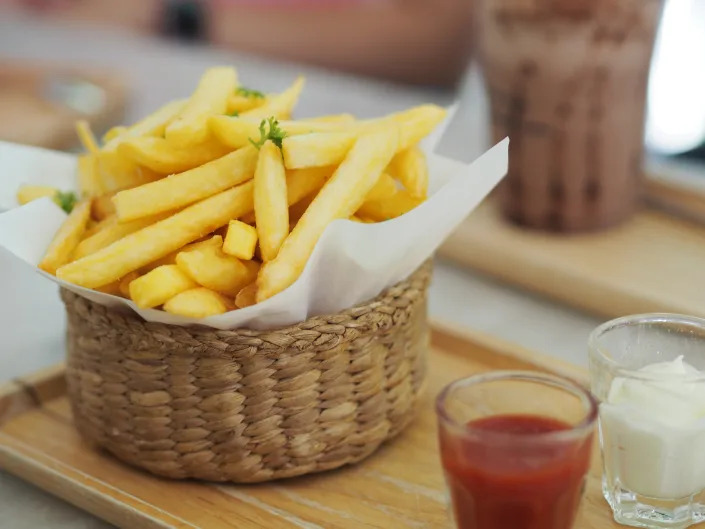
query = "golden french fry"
{"x": 213, "y": 269}
{"x": 124, "y": 284}
{"x": 67, "y": 238}
{"x": 185, "y": 188}
{"x": 253, "y": 268}
{"x": 240, "y": 240}
{"x": 247, "y": 296}
{"x": 86, "y": 137}
{"x": 155, "y": 241}
{"x": 280, "y": 105}
{"x": 237, "y": 132}
{"x": 340, "y": 197}
{"x": 210, "y": 97}
{"x": 116, "y": 171}
{"x": 197, "y": 303}
{"x": 111, "y": 288}
{"x": 329, "y": 148}
{"x": 410, "y": 168}
{"x": 271, "y": 207}
{"x": 88, "y": 177}
{"x": 159, "y": 285}
{"x": 114, "y": 132}
{"x": 383, "y": 189}
{"x": 389, "y": 207}
{"x": 416, "y": 123}
{"x": 162, "y": 157}
{"x": 317, "y": 149}
{"x": 110, "y": 234}
{"x": 95, "y": 227}
{"x": 152, "y": 125}
{"x": 28, "y": 193}
{"x": 216, "y": 241}
{"x": 299, "y": 184}
{"x": 238, "y": 103}
{"x": 102, "y": 207}
{"x": 334, "y": 118}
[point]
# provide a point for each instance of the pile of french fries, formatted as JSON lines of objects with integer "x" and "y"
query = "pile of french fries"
{"x": 216, "y": 202}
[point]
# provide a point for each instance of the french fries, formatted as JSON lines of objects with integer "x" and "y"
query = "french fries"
{"x": 149, "y": 244}
{"x": 210, "y": 97}
{"x": 340, "y": 197}
{"x": 159, "y": 286}
{"x": 329, "y": 148}
{"x": 238, "y": 131}
{"x": 271, "y": 207}
{"x": 27, "y": 193}
{"x": 317, "y": 149}
{"x": 247, "y": 296}
{"x": 216, "y": 202}
{"x": 188, "y": 187}
{"x": 111, "y": 233}
{"x": 102, "y": 207}
{"x": 197, "y": 303}
{"x": 279, "y": 106}
{"x": 389, "y": 207}
{"x": 211, "y": 268}
{"x": 162, "y": 157}
{"x": 153, "y": 125}
{"x": 66, "y": 239}
{"x": 410, "y": 168}
{"x": 240, "y": 240}
{"x": 88, "y": 178}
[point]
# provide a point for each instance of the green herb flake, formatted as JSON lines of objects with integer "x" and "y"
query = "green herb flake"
{"x": 66, "y": 200}
{"x": 274, "y": 133}
{"x": 248, "y": 92}
{"x": 234, "y": 114}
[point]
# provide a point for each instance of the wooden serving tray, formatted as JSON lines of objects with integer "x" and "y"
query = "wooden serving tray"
{"x": 39, "y": 104}
{"x": 400, "y": 486}
{"x": 653, "y": 263}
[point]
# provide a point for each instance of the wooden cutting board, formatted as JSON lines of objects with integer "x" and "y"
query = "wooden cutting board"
{"x": 399, "y": 486}
{"x": 653, "y": 263}
{"x": 39, "y": 104}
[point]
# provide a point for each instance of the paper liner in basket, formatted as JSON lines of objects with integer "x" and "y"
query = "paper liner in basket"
{"x": 352, "y": 262}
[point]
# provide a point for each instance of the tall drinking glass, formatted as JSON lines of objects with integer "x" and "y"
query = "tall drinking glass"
{"x": 567, "y": 81}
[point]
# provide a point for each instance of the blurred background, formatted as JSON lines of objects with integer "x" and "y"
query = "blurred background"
{"x": 131, "y": 56}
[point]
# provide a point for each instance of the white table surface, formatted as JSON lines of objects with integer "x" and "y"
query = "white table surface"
{"x": 32, "y": 317}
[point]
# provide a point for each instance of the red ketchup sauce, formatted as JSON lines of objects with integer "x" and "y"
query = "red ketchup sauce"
{"x": 511, "y": 484}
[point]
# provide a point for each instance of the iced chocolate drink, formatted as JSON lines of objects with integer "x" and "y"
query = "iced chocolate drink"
{"x": 567, "y": 81}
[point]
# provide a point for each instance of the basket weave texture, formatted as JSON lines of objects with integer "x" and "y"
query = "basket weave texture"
{"x": 246, "y": 405}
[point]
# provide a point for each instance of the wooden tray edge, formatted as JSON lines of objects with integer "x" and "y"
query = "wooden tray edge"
{"x": 31, "y": 391}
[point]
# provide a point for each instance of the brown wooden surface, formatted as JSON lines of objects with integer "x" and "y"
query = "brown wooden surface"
{"x": 400, "y": 486}
{"x": 30, "y": 114}
{"x": 652, "y": 263}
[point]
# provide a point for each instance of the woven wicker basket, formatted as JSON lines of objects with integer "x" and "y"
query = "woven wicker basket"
{"x": 245, "y": 405}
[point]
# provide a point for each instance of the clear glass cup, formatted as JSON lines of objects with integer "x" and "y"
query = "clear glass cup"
{"x": 567, "y": 82}
{"x": 515, "y": 448}
{"x": 648, "y": 372}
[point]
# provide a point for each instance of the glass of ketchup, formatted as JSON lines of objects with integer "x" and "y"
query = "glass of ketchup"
{"x": 515, "y": 448}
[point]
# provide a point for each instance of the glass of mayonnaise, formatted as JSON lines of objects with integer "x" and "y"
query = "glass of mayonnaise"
{"x": 648, "y": 373}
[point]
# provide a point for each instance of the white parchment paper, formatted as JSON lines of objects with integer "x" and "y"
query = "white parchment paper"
{"x": 352, "y": 262}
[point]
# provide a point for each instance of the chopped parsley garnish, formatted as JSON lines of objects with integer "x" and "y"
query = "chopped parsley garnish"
{"x": 274, "y": 133}
{"x": 66, "y": 200}
{"x": 248, "y": 92}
